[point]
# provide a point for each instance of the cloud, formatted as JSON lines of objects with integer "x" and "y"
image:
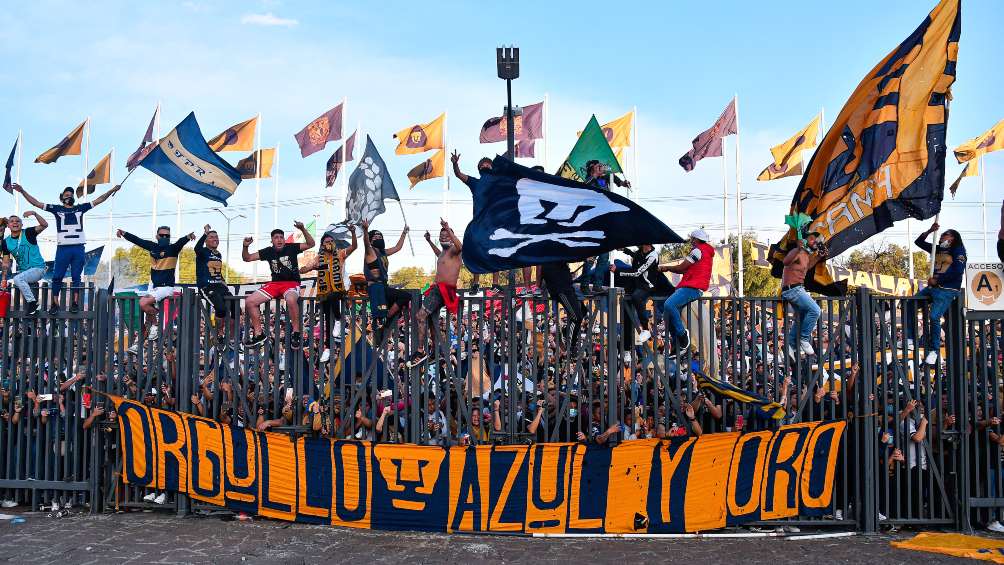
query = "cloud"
{"x": 267, "y": 19}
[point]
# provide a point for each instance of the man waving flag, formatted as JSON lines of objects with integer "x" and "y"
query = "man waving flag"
{"x": 523, "y": 217}
{"x": 883, "y": 159}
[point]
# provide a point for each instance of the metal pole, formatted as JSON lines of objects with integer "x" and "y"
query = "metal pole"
{"x": 547, "y": 118}
{"x": 17, "y": 173}
{"x": 983, "y": 206}
{"x": 634, "y": 152}
{"x": 739, "y": 206}
{"x": 87, "y": 149}
{"x": 510, "y": 134}
{"x": 257, "y": 196}
{"x": 909, "y": 248}
{"x": 156, "y": 179}
{"x": 725, "y": 196}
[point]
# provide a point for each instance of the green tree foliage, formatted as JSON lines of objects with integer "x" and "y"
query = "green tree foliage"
{"x": 410, "y": 277}
{"x": 887, "y": 259}
{"x": 132, "y": 267}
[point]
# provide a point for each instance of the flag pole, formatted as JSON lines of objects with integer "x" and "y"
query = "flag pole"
{"x": 446, "y": 181}
{"x": 87, "y": 148}
{"x": 547, "y": 117}
{"x": 634, "y": 151}
{"x": 934, "y": 246}
{"x": 725, "y": 195}
{"x": 739, "y": 206}
{"x": 111, "y": 217}
{"x": 257, "y": 190}
{"x": 156, "y": 179}
{"x": 275, "y": 189}
{"x": 17, "y": 173}
{"x": 983, "y": 205}
{"x": 412, "y": 246}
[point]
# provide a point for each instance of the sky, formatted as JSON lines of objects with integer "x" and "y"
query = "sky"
{"x": 400, "y": 63}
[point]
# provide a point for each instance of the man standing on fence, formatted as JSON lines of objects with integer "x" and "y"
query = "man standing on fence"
{"x": 330, "y": 285}
{"x": 163, "y": 263}
{"x": 800, "y": 260}
{"x": 696, "y": 270}
{"x": 641, "y": 274}
{"x": 22, "y": 244}
{"x": 942, "y": 288}
{"x": 210, "y": 280}
{"x": 70, "y": 238}
{"x": 282, "y": 261}
{"x": 442, "y": 293}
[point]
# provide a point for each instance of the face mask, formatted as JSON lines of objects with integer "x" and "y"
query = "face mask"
{"x": 445, "y": 244}
{"x": 483, "y": 170}
{"x": 943, "y": 245}
{"x": 164, "y": 240}
{"x": 378, "y": 243}
{"x": 573, "y": 412}
{"x": 68, "y": 200}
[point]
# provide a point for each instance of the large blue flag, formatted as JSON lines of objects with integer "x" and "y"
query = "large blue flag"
{"x": 524, "y": 217}
{"x": 91, "y": 261}
{"x": 184, "y": 159}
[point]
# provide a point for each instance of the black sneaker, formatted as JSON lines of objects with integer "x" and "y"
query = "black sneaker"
{"x": 74, "y": 307}
{"x": 294, "y": 340}
{"x": 255, "y": 340}
{"x": 417, "y": 358}
{"x": 31, "y": 308}
{"x": 53, "y": 309}
{"x": 683, "y": 341}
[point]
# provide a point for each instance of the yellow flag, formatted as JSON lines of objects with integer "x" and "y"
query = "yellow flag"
{"x": 788, "y": 155}
{"x": 420, "y": 138}
{"x": 70, "y": 145}
{"x": 238, "y": 137}
{"x": 100, "y": 174}
{"x": 249, "y": 165}
{"x": 618, "y": 132}
{"x": 431, "y": 168}
{"x": 992, "y": 140}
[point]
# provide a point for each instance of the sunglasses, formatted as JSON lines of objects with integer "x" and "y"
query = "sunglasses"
{"x": 163, "y": 235}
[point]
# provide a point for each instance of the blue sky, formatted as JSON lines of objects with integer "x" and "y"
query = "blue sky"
{"x": 399, "y": 63}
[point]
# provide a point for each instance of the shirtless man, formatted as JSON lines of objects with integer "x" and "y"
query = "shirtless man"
{"x": 800, "y": 260}
{"x": 443, "y": 292}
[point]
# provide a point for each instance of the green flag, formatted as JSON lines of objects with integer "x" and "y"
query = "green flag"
{"x": 592, "y": 144}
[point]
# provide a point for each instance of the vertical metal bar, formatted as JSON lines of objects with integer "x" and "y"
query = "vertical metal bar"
{"x": 869, "y": 509}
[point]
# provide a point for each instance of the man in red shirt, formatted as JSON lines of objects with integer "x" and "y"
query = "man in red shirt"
{"x": 696, "y": 271}
{"x": 282, "y": 261}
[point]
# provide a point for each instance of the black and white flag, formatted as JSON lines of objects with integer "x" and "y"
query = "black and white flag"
{"x": 369, "y": 185}
{"x": 524, "y": 217}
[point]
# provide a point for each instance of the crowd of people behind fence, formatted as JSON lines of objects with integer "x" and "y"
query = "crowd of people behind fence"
{"x": 552, "y": 357}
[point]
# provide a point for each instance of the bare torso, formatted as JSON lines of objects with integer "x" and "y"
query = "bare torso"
{"x": 448, "y": 267}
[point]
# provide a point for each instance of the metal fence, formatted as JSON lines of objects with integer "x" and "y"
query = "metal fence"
{"x": 922, "y": 444}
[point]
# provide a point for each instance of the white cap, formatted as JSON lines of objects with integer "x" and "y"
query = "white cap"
{"x": 701, "y": 235}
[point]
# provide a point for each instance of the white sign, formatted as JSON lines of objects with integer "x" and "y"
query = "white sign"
{"x": 985, "y": 286}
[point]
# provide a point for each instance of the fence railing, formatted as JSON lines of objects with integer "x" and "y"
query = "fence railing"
{"x": 923, "y": 443}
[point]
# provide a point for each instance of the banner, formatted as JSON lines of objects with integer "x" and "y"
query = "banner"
{"x": 984, "y": 286}
{"x": 657, "y": 486}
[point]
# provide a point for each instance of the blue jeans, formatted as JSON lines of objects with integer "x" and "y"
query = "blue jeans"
{"x": 671, "y": 308}
{"x": 25, "y": 279}
{"x": 941, "y": 299}
{"x": 67, "y": 256}
{"x": 806, "y": 314}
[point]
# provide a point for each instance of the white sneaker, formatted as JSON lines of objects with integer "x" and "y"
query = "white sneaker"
{"x": 838, "y": 515}
{"x": 882, "y": 517}
{"x": 644, "y": 336}
{"x": 792, "y": 529}
{"x": 160, "y": 498}
{"x": 908, "y": 344}
{"x": 791, "y": 352}
{"x": 154, "y": 333}
{"x": 932, "y": 357}
{"x": 806, "y": 348}
{"x": 150, "y": 497}
{"x": 12, "y": 504}
{"x": 67, "y": 505}
{"x": 995, "y": 526}
{"x": 134, "y": 348}
{"x": 325, "y": 356}
{"x": 336, "y": 329}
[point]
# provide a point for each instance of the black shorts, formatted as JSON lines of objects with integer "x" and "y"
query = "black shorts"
{"x": 397, "y": 296}
{"x": 216, "y": 295}
{"x": 433, "y": 302}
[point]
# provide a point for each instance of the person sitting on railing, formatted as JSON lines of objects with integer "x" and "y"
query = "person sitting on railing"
{"x": 385, "y": 302}
{"x": 22, "y": 245}
{"x": 942, "y": 287}
{"x": 639, "y": 278}
{"x": 163, "y": 265}
{"x": 696, "y": 270}
{"x": 210, "y": 280}
{"x": 330, "y": 286}
{"x": 443, "y": 291}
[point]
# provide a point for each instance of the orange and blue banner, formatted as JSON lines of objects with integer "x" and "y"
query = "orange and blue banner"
{"x": 656, "y": 486}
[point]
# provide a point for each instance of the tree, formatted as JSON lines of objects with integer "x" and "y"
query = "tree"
{"x": 410, "y": 277}
{"x": 887, "y": 259}
{"x": 757, "y": 281}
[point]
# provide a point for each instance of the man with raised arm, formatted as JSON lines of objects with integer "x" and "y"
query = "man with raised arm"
{"x": 70, "y": 238}
{"x": 443, "y": 292}
{"x": 210, "y": 280}
{"x": 385, "y": 302}
{"x": 22, "y": 245}
{"x": 282, "y": 262}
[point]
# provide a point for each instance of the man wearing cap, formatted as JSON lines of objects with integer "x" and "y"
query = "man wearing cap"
{"x": 802, "y": 257}
{"x": 70, "y": 238}
{"x": 696, "y": 271}
{"x": 644, "y": 268}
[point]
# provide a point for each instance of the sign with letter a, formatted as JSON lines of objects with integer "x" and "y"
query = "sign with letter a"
{"x": 985, "y": 286}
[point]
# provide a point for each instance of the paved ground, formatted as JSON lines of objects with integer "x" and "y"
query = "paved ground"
{"x": 163, "y": 538}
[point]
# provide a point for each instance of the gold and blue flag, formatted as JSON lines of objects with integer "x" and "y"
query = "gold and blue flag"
{"x": 768, "y": 408}
{"x": 184, "y": 159}
{"x": 883, "y": 159}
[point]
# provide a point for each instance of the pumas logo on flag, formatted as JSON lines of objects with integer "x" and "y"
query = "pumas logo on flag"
{"x": 417, "y": 137}
{"x": 524, "y": 217}
{"x": 559, "y": 208}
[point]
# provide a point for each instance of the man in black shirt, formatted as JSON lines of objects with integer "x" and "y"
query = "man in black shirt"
{"x": 558, "y": 280}
{"x": 285, "y": 283}
{"x": 484, "y": 166}
{"x": 209, "y": 277}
